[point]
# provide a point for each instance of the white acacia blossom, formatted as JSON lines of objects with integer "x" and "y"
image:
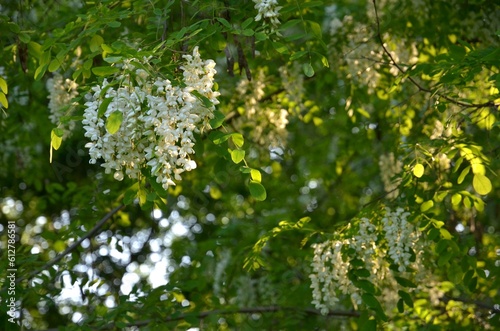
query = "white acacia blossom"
{"x": 268, "y": 123}
{"x": 159, "y": 120}
{"x": 61, "y": 91}
{"x": 377, "y": 244}
{"x": 268, "y": 10}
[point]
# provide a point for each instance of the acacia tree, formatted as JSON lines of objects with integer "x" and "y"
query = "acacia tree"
{"x": 237, "y": 164}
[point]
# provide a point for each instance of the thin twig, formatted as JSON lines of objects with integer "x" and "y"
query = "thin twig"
{"x": 252, "y": 310}
{"x": 413, "y": 81}
{"x": 71, "y": 247}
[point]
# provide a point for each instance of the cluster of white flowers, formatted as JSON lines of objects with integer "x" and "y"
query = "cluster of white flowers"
{"x": 389, "y": 168}
{"x": 377, "y": 245}
{"x": 401, "y": 237}
{"x": 329, "y": 276}
{"x": 159, "y": 120}
{"x": 268, "y": 10}
{"x": 440, "y": 131}
{"x": 268, "y": 124}
{"x": 61, "y": 91}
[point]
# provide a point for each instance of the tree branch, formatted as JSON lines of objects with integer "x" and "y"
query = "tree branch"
{"x": 251, "y": 310}
{"x": 479, "y": 304}
{"x": 72, "y": 247}
{"x": 413, "y": 81}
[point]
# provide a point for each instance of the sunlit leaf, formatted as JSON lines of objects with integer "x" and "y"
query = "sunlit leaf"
{"x": 418, "y": 170}
{"x": 481, "y": 184}
{"x": 114, "y": 122}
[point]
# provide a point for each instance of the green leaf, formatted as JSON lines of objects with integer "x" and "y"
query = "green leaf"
{"x": 54, "y": 65}
{"x": 463, "y": 174}
{"x": 406, "y": 297}
{"x": 365, "y": 285}
{"x": 456, "y": 199}
{"x": 418, "y": 170}
{"x": 237, "y": 155}
{"x": 3, "y": 100}
{"x": 3, "y": 86}
{"x": 104, "y": 106}
{"x": 237, "y": 139}
{"x": 257, "y": 190}
{"x": 95, "y": 43}
{"x": 371, "y": 301}
{"x": 218, "y": 119}
{"x": 308, "y": 69}
{"x": 129, "y": 196}
{"x": 13, "y": 27}
{"x": 218, "y": 137}
{"x": 298, "y": 55}
{"x": 481, "y": 184}
{"x": 105, "y": 71}
{"x": 40, "y": 71}
{"x": 426, "y": 205}
{"x": 405, "y": 282}
{"x": 114, "y": 122}
{"x": 24, "y": 37}
{"x": 114, "y": 24}
{"x": 255, "y": 175}
{"x": 55, "y": 139}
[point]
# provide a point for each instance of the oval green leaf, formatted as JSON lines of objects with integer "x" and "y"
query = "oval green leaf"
{"x": 456, "y": 199}
{"x": 104, "y": 71}
{"x": 426, "y": 205}
{"x": 308, "y": 70}
{"x": 256, "y": 176}
{"x": 56, "y": 140}
{"x": 114, "y": 122}
{"x": 257, "y": 190}
{"x": 237, "y": 155}
{"x": 418, "y": 170}
{"x": 481, "y": 184}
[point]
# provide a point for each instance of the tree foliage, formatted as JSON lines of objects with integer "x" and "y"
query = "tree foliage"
{"x": 250, "y": 165}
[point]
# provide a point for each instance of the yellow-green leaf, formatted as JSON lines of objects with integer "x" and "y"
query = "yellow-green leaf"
{"x": 456, "y": 199}
{"x": 54, "y": 65}
{"x": 95, "y": 43}
{"x": 256, "y": 176}
{"x": 114, "y": 122}
{"x": 104, "y": 71}
{"x": 3, "y": 86}
{"x": 463, "y": 174}
{"x": 237, "y": 139}
{"x": 3, "y": 100}
{"x": 418, "y": 170}
{"x": 55, "y": 139}
{"x": 40, "y": 71}
{"x": 237, "y": 155}
{"x": 481, "y": 184}
{"x": 426, "y": 205}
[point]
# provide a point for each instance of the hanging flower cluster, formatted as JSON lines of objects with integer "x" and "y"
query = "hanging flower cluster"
{"x": 268, "y": 123}
{"x": 268, "y": 10}
{"x": 61, "y": 91}
{"x": 158, "y": 120}
{"x": 378, "y": 246}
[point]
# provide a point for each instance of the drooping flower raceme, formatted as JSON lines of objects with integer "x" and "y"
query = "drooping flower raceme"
{"x": 268, "y": 123}
{"x": 61, "y": 91}
{"x": 158, "y": 122}
{"x": 268, "y": 10}
{"x": 375, "y": 245}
